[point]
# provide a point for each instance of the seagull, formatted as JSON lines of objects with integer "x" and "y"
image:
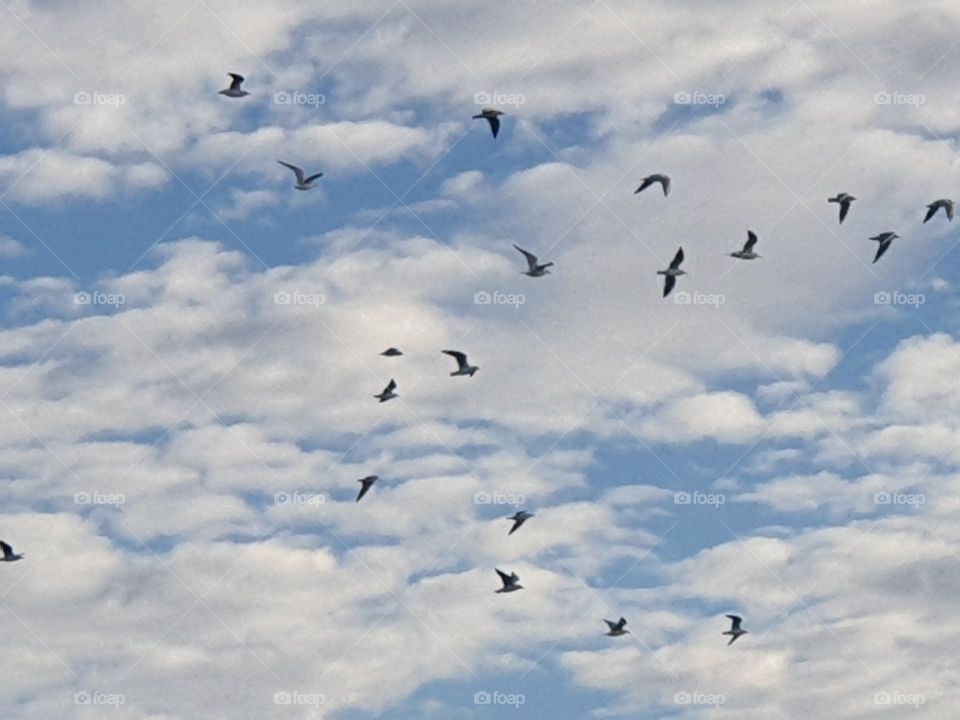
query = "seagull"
{"x": 747, "y": 253}
{"x": 8, "y": 554}
{"x": 391, "y": 352}
{"x": 511, "y": 582}
{"x": 303, "y": 183}
{"x": 491, "y": 116}
{"x": 651, "y": 179}
{"x": 672, "y": 272}
{"x": 735, "y": 630}
{"x": 463, "y": 367}
{"x": 932, "y": 208}
{"x": 234, "y": 89}
{"x": 366, "y": 483}
{"x": 616, "y": 628}
{"x": 519, "y": 518}
{"x": 388, "y": 392}
{"x": 884, "y": 239}
{"x": 844, "y": 199}
{"x": 534, "y": 269}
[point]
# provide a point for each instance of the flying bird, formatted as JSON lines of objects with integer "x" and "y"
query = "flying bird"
{"x": 932, "y": 208}
{"x": 844, "y": 200}
{"x": 365, "y": 484}
{"x": 388, "y": 392}
{"x": 885, "y": 239}
{"x": 747, "y": 253}
{"x": 391, "y": 352}
{"x": 519, "y": 518}
{"x": 656, "y": 178}
{"x": 735, "y": 630}
{"x": 511, "y": 582}
{"x": 234, "y": 90}
{"x": 534, "y": 268}
{"x": 303, "y": 182}
{"x": 616, "y": 628}
{"x": 491, "y": 116}
{"x": 8, "y": 554}
{"x": 672, "y": 273}
{"x": 463, "y": 367}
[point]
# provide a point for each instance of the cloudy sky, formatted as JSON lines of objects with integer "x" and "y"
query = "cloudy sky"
{"x": 189, "y": 350}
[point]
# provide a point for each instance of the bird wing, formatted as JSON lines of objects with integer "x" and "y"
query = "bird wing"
{"x": 665, "y": 183}
{"x": 736, "y": 620}
{"x": 949, "y": 208}
{"x": 931, "y": 211}
{"x": 622, "y": 623}
{"x": 503, "y": 576}
{"x": 297, "y": 171}
{"x": 668, "y": 282}
{"x": 313, "y": 177}
{"x": 884, "y": 246}
{"x": 391, "y": 387}
{"x": 531, "y": 258}
{"x": 844, "y": 209}
{"x": 460, "y": 357}
{"x": 611, "y": 624}
{"x": 517, "y": 522}
{"x": 7, "y": 550}
{"x": 494, "y": 125}
{"x": 732, "y": 640}
{"x": 363, "y": 489}
{"x": 751, "y": 241}
{"x": 677, "y": 259}
{"x": 647, "y": 182}
{"x": 235, "y": 82}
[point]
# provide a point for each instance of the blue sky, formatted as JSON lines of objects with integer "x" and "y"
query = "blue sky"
{"x": 777, "y": 439}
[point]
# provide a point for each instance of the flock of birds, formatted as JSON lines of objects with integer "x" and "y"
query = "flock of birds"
{"x": 511, "y": 582}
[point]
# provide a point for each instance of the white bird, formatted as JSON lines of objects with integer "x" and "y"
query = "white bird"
{"x": 672, "y": 273}
{"x": 8, "y": 554}
{"x": 735, "y": 630}
{"x": 388, "y": 392}
{"x": 534, "y": 267}
{"x": 844, "y": 200}
{"x": 463, "y": 367}
{"x": 884, "y": 239}
{"x": 519, "y": 518}
{"x": 747, "y": 253}
{"x": 303, "y": 182}
{"x": 234, "y": 90}
{"x": 365, "y": 484}
{"x": 491, "y": 116}
{"x": 932, "y": 208}
{"x": 617, "y": 628}
{"x": 656, "y": 178}
{"x": 511, "y": 582}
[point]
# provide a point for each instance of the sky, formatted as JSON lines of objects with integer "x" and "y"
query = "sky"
{"x": 189, "y": 350}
